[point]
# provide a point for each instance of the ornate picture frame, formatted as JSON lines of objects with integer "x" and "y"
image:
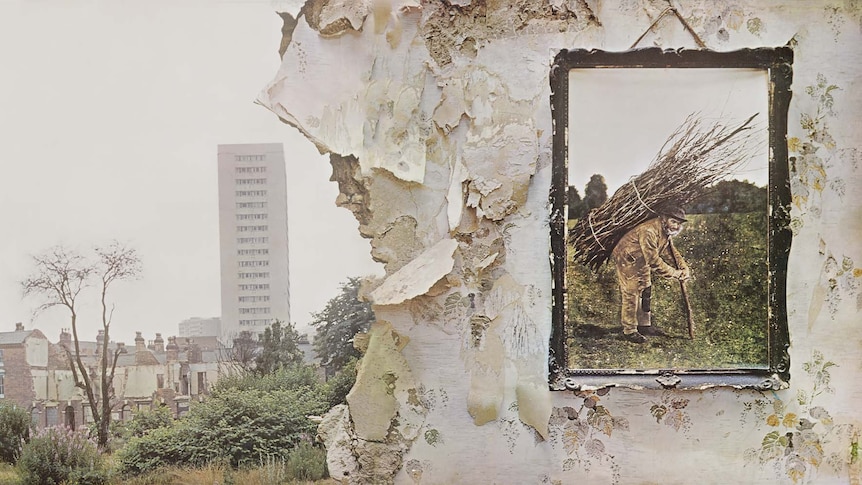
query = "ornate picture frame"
{"x": 661, "y": 134}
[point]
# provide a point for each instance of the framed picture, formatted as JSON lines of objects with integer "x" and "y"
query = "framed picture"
{"x": 670, "y": 218}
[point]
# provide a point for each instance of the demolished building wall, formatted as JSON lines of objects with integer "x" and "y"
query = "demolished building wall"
{"x": 436, "y": 117}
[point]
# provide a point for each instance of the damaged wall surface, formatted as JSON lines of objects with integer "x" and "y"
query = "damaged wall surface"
{"x": 437, "y": 119}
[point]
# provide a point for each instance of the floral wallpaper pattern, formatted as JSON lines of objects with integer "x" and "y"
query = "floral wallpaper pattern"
{"x": 801, "y": 435}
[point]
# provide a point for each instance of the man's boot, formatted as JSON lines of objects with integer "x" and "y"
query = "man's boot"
{"x": 648, "y": 329}
{"x": 634, "y": 337}
{"x": 645, "y": 326}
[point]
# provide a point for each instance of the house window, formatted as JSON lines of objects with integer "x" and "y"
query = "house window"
{"x": 51, "y": 416}
{"x": 184, "y": 385}
{"x": 160, "y": 381}
{"x": 202, "y": 382}
{"x": 2, "y": 385}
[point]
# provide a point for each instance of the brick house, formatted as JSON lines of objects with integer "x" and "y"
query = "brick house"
{"x": 36, "y": 375}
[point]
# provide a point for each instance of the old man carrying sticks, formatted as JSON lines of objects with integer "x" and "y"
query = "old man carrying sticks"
{"x": 636, "y": 256}
{"x": 637, "y": 224}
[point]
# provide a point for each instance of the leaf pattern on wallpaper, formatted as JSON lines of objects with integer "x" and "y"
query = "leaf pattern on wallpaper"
{"x": 812, "y": 158}
{"x": 801, "y": 435}
{"x": 715, "y": 22}
{"x": 670, "y": 410}
{"x": 813, "y": 155}
{"x": 582, "y": 432}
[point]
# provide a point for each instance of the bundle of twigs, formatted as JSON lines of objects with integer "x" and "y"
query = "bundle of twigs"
{"x": 695, "y": 156}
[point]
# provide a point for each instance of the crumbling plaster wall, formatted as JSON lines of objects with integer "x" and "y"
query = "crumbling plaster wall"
{"x": 437, "y": 120}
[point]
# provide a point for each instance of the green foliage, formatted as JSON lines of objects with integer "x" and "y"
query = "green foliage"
{"x": 306, "y": 462}
{"x": 292, "y": 377}
{"x": 595, "y": 193}
{"x": 144, "y": 421}
{"x": 240, "y": 426}
{"x": 59, "y": 455}
{"x": 158, "y": 448}
{"x": 279, "y": 347}
{"x": 340, "y": 384}
{"x": 576, "y": 205}
{"x": 343, "y": 317}
{"x": 731, "y": 196}
{"x": 14, "y": 430}
{"x": 727, "y": 255}
{"x": 246, "y": 418}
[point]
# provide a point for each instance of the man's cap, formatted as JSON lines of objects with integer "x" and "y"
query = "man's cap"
{"x": 675, "y": 212}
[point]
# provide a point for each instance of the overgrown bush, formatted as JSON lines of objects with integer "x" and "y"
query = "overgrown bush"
{"x": 290, "y": 377}
{"x": 158, "y": 448}
{"x": 14, "y": 430}
{"x": 59, "y": 455}
{"x": 340, "y": 384}
{"x": 241, "y": 426}
{"x": 306, "y": 462}
{"x": 234, "y": 426}
{"x": 146, "y": 420}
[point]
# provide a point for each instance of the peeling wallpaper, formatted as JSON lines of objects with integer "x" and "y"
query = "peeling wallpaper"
{"x": 437, "y": 120}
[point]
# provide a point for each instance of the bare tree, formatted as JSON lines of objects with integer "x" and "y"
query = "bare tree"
{"x": 59, "y": 277}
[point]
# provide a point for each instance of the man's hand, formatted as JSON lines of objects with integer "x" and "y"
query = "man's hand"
{"x": 684, "y": 274}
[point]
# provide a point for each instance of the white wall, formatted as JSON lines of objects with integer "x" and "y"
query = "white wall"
{"x": 446, "y": 110}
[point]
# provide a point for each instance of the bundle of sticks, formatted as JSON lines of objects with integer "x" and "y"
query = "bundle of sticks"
{"x": 695, "y": 156}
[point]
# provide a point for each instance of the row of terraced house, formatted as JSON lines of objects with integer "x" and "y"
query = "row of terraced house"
{"x": 36, "y": 375}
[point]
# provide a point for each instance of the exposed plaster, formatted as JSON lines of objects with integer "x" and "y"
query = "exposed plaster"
{"x": 417, "y": 276}
{"x": 352, "y": 193}
{"x": 335, "y": 17}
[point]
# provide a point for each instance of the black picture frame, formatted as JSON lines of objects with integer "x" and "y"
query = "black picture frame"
{"x": 777, "y": 63}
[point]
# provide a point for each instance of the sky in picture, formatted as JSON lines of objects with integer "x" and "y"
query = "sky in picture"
{"x": 619, "y": 118}
{"x": 111, "y": 116}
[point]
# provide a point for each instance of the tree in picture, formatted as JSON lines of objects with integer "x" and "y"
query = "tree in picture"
{"x": 338, "y": 323}
{"x": 59, "y": 277}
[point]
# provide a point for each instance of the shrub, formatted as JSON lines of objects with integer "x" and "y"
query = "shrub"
{"x": 285, "y": 378}
{"x": 340, "y": 384}
{"x": 60, "y": 455}
{"x": 145, "y": 421}
{"x": 14, "y": 431}
{"x": 235, "y": 427}
{"x": 158, "y": 448}
{"x": 241, "y": 426}
{"x": 306, "y": 462}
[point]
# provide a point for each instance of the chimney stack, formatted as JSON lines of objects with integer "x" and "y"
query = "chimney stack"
{"x": 173, "y": 350}
{"x": 19, "y": 327}
{"x": 139, "y": 342}
{"x": 66, "y": 338}
{"x": 100, "y": 339}
{"x": 159, "y": 343}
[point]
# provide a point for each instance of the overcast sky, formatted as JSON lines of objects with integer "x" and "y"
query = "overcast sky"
{"x": 619, "y": 118}
{"x": 110, "y": 114}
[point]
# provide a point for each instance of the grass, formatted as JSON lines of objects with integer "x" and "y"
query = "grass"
{"x": 211, "y": 475}
{"x": 9, "y": 474}
{"x": 216, "y": 475}
{"x": 727, "y": 255}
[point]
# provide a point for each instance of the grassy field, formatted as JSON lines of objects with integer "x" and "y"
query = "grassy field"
{"x": 727, "y": 254}
{"x": 212, "y": 475}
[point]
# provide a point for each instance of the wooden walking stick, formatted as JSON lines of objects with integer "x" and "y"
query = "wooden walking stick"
{"x": 685, "y": 301}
